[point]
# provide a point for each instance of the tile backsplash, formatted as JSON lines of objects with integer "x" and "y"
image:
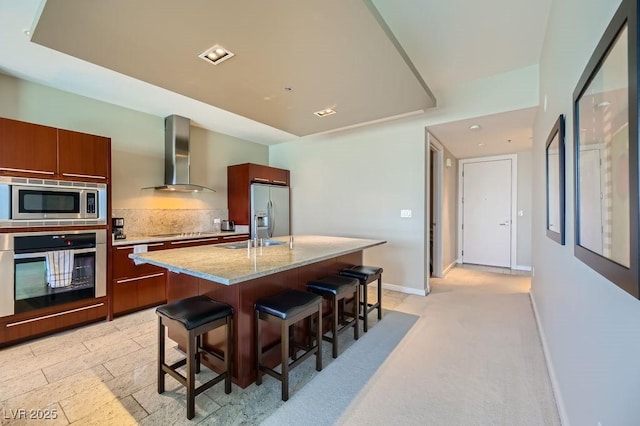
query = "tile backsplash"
{"x": 138, "y": 222}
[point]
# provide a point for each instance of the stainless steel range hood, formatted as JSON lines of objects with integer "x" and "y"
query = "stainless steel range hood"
{"x": 177, "y": 156}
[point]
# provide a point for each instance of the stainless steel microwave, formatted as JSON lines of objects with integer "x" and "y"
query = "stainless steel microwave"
{"x": 28, "y": 202}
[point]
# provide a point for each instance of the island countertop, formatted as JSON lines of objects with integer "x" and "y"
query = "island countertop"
{"x": 228, "y": 266}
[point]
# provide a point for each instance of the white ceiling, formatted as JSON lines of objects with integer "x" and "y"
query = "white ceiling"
{"x": 449, "y": 43}
{"x": 504, "y": 133}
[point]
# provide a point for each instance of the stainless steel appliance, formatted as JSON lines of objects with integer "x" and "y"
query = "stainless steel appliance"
{"x": 117, "y": 227}
{"x": 227, "y": 225}
{"x": 26, "y": 283}
{"x": 44, "y": 202}
{"x": 269, "y": 211}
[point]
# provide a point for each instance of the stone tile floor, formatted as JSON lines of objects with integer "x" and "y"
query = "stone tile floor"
{"x": 105, "y": 373}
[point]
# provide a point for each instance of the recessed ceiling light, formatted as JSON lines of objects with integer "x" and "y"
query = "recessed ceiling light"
{"x": 216, "y": 54}
{"x": 27, "y": 33}
{"x": 603, "y": 104}
{"x": 474, "y": 127}
{"x": 325, "y": 112}
{"x": 481, "y": 144}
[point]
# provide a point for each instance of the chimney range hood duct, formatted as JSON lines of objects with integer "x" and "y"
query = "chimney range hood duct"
{"x": 177, "y": 156}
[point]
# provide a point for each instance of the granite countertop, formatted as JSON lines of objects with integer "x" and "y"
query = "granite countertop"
{"x": 231, "y": 266}
{"x": 143, "y": 239}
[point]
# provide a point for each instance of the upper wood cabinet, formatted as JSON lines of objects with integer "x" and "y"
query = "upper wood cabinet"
{"x": 28, "y": 149}
{"x": 83, "y": 156}
{"x": 239, "y": 180}
{"x": 32, "y": 150}
{"x": 266, "y": 174}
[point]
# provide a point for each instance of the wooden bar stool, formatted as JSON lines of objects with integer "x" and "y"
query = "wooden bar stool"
{"x": 336, "y": 289}
{"x": 191, "y": 318}
{"x": 285, "y": 309}
{"x": 366, "y": 275}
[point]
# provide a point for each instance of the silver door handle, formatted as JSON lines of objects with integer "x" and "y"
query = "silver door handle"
{"x": 504, "y": 224}
{"x": 272, "y": 219}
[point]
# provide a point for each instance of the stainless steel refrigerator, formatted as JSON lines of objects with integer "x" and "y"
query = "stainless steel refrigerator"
{"x": 269, "y": 211}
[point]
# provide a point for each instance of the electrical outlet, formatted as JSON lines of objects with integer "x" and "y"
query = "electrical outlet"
{"x": 405, "y": 213}
{"x": 216, "y": 220}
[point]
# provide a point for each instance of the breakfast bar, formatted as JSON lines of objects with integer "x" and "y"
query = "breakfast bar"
{"x": 240, "y": 273}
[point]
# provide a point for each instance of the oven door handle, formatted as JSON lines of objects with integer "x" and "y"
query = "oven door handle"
{"x": 42, "y": 254}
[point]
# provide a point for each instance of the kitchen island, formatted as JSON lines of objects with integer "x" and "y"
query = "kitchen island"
{"x": 238, "y": 275}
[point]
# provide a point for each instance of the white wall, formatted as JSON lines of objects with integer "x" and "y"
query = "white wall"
{"x": 523, "y": 245}
{"x": 137, "y": 145}
{"x": 449, "y": 210}
{"x": 354, "y": 183}
{"x": 590, "y": 327}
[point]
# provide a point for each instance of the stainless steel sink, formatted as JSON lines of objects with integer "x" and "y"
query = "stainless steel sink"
{"x": 243, "y": 244}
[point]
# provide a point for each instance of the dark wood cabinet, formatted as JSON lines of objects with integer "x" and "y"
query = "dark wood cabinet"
{"x": 28, "y": 149}
{"x": 32, "y": 150}
{"x": 239, "y": 180}
{"x": 25, "y": 326}
{"x": 137, "y": 287}
{"x": 83, "y": 156}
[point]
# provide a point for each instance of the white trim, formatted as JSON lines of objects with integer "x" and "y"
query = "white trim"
{"x": 522, "y": 268}
{"x": 555, "y": 386}
{"x": 450, "y": 267}
{"x": 514, "y": 200}
{"x": 402, "y": 289}
{"x": 438, "y": 235}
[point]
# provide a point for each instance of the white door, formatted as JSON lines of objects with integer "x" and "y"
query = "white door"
{"x": 486, "y": 216}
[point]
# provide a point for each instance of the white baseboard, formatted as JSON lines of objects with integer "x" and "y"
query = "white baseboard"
{"x": 402, "y": 289}
{"x": 450, "y": 267}
{"x": 562, "y": 412}
{"x": 522, "y": 268}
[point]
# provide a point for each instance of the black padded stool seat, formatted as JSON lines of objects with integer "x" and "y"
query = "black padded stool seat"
{"x": 336, "y": 289}
{"x": 286, "y": 304}
{"x": 191, "y": 318}
{"x": 366, "y": 275}
{"x": 195, "y": 311}
{"x": 285, "y": 309}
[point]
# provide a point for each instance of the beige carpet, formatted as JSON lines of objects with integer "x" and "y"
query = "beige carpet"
{"x": 474, "y": 357}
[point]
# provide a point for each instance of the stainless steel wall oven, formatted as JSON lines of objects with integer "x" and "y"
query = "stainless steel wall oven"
{"x": 43, "y": 269}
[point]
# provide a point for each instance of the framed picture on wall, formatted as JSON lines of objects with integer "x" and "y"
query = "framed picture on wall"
{"x": 606, "y": 154}
{"x": 554, "y": 153}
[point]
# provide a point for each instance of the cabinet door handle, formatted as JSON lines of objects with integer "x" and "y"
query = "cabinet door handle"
{"x": 83, "y": 176}
{"x": 84, "y": 308}
{"x": 144, "y": 277}
{"x": 280, "y": 181}
{"x": 9, "y": 169}
{"x": 235, "y": 236}
{"x": 261, "y": 179}
{"x": 131, "y": 247}
{"x": 194, "y": 241}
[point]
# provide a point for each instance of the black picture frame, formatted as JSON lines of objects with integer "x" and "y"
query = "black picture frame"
{"x": 556, "y": 231}
{"x": 623, "y": 275}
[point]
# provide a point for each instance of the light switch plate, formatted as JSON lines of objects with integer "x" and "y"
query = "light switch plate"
{"x": 405, "y": 213}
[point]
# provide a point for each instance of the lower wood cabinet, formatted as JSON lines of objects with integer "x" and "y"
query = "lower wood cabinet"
{"x": 27, "y": 326}
{"x": 130, "y": 294}
{"x": 136, "y": 287}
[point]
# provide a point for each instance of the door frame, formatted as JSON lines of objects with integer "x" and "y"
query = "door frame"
{"x": 435, "y": 147}
{"x": 514, "y": 201}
